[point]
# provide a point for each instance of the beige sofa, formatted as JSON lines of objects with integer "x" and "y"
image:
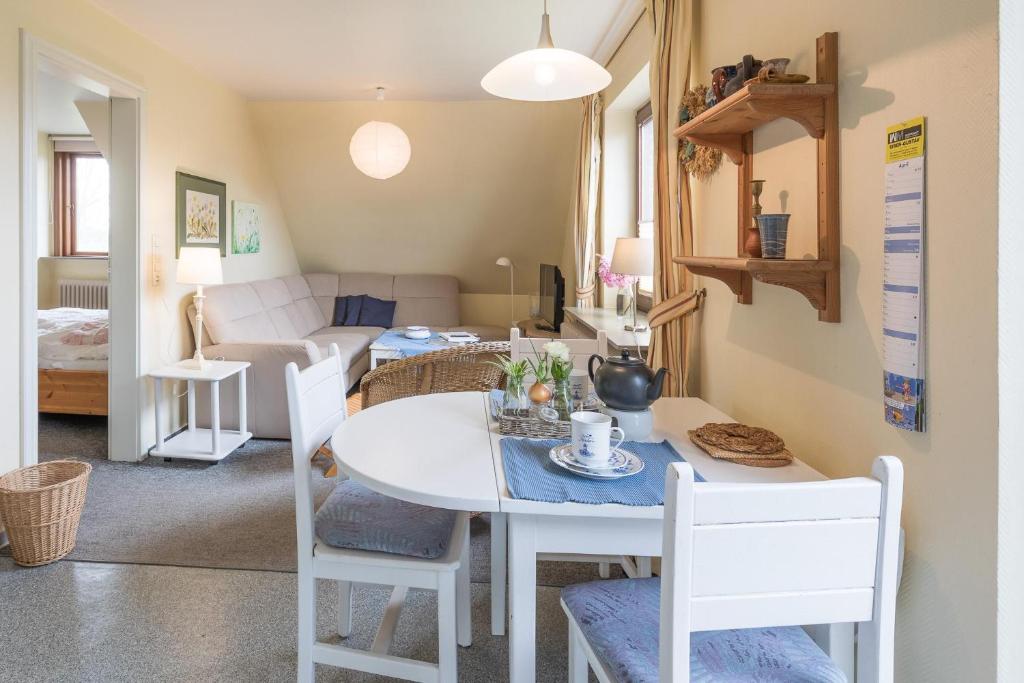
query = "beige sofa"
{"x": 271, "y": 323}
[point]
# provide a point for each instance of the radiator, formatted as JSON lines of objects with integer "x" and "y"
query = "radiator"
{"x": 83, "y": 293}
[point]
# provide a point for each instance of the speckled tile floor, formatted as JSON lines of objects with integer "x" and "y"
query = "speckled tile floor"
{"x": 84, "y": 621}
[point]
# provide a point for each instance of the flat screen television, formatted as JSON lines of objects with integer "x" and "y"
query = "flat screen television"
{"x": 552, "y": 297}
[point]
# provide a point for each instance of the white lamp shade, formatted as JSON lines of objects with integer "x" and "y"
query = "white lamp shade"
{"x": 380, "y": 150}
{"x": 633, "y": 256}
{"x": 546, "y": 74}
{"x": 199, "y": 266}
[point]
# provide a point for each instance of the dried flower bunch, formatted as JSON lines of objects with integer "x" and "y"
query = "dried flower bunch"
{"x": 700, "y": 162}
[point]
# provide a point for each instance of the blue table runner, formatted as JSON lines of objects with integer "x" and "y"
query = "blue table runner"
{"x": 396, "y": 339}
{"x": 530, "y": 475}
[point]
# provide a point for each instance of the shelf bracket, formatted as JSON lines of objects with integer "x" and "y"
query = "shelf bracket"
{"x": 808, "y": 112}
{"x": 810, "y": 284}
{"x": 730, "y": 144}
{"x": 737, "y": 280}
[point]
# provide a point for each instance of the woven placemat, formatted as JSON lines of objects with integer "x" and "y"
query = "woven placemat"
{"x": 740, "y": 438}
{"x": 777, "y": 459}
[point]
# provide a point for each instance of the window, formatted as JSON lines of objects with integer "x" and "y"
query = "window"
{"x": 645, "y": 182}
{"x": 81, "y": 204}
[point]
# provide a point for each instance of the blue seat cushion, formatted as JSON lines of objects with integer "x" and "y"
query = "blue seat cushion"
{"x": 355, "y": 518}
{"x": 620, "y": 621}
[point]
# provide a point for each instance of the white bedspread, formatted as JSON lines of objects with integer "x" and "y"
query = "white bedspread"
{"x": 74, "y": 338}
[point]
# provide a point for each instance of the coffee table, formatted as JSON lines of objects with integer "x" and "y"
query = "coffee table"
{"x": 383, "y": 350}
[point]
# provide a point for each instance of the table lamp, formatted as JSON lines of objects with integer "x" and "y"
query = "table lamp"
{"x": 506, "y": 262}
{"x": 633, "y": 256}
{"x": 199, "y": 266}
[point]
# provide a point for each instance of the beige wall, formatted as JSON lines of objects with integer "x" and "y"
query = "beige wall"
{"x": 51, "y": 270}
{"x": 818, "y": 384}
{"x": 190, "y": 123}
{"x": 486, "y": 179}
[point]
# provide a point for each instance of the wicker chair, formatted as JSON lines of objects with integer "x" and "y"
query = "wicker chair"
{"x": 460, "y": 368}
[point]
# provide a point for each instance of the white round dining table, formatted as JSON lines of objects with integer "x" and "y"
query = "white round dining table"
{"x": 444, "y": 450}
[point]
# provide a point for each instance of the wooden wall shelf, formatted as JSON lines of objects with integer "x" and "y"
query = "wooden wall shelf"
{"x": 729, "y": 126}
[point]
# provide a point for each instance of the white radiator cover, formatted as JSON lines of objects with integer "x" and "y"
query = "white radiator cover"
{"x": 83, "y": 293}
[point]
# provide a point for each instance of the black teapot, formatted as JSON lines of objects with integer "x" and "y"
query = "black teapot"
{"x": 625, "y": 383}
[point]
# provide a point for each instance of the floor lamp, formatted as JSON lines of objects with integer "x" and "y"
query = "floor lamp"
{"x": 506, "y": 262}
{"x": 634, "y": 256}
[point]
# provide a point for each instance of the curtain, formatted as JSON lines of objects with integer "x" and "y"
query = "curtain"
{"x": 674, "y": 298}
{"x": 63, "y": 196}
{"x": 587, "y": 199}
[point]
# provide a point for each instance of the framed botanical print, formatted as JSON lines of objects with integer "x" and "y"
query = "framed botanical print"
{"x": 201, "y": 208}
{"x": 247, "y": 226}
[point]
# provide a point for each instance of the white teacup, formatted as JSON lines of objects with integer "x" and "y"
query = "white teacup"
{"x": 591, "y": 438}
{"x": 579, "y": 386}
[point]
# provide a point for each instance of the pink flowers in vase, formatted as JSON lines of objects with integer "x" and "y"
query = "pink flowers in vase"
{"x": 610, "y": 279}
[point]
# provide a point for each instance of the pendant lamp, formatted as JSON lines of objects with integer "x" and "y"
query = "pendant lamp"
{"x": 547, "y": 73}
{"x": 380, "y": 149}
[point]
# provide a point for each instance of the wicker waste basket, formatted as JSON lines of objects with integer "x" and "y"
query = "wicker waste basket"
{"x": 40, "y": 506}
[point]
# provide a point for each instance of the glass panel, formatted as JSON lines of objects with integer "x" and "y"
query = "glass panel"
{"x": 92, "y": 205}
{"x": 645, "y": 210}
{"x": 646, "y": 230}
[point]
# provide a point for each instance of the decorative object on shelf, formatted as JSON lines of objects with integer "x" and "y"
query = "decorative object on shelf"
{"x": 698, "y": 160}
{"x": 774, "y": 71}
{"x": 625, "y": 383}
{"x": 752, "y": 245}
{"x": 742, "y": 444}
{"x": 247, "y": 224}
{"x": 379, "y": 149}
{"x": 506, "y": 262}
{"x": 777, "y": 64}
{"x": 745, "y": 70}
{"x": 546, "y": 73}
{"x": 719, "y": 78}
{"x": 202, "y": 214}
{"x": 198, "y": 266}
{"x": 633, "y": 256}
{"x": 774, "y": 228}
{"x": 515, "y": 402}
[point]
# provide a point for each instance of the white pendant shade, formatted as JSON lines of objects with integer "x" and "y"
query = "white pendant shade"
{"x": 546, "y": 74}
{"x": 380, "y": 150}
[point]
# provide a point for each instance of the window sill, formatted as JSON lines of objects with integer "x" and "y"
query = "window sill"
{"x": 74, "y": 258}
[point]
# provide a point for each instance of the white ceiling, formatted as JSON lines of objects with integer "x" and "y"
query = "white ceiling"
{"x": 55, "y": 103}
{"x": 343, "y": 49}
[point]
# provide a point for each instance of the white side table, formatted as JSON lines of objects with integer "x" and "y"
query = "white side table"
{"x": 193, "y": 443}
{"x": 380, "y": 351}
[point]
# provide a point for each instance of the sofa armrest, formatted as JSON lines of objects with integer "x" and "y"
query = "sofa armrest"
{"x": 278, "y": 353}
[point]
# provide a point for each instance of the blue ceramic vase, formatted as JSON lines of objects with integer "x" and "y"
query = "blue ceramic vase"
{"x": 774, "y": 228}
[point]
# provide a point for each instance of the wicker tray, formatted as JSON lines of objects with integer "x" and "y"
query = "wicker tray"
{"x": 532, "y": 427}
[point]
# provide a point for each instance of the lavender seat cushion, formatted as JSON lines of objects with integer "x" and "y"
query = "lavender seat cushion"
{"x": 620, "y": 621}
{"x": 355, "y": 518}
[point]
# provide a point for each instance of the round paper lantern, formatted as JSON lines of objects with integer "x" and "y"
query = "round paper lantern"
{"x": 380, "y": 150}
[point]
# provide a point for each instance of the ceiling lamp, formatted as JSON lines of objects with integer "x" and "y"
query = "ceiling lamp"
{"x": 379, "y": 149}
{"x": 547, "y": 73}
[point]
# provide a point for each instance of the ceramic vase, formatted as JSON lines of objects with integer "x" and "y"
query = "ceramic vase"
{"x": 774, "y": 228}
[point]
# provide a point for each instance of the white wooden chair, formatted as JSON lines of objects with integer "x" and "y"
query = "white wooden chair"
{"x": 744, "y": 566}
{"x": 316, "y": 406}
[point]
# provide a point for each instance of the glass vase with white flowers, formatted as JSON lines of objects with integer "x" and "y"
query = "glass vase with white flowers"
{"x": 560, "y": 363}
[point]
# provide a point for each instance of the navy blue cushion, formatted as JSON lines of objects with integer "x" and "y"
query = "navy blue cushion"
{"x": 352, "y": 309}
{"x": 355, "y": 518}
{"x": 620, "y": 621}
{"x": 340, "y": 307}
{"x": 377, "y": 312}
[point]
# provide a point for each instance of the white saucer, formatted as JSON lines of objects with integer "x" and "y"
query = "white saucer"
{"x": 563, "y": 457}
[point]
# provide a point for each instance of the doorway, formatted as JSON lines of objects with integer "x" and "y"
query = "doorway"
{"x": 114, "y": 109}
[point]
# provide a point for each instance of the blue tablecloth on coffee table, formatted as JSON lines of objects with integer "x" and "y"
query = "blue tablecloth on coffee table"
{"x": 396, "y": 339}
{"x": 530, "y": 475}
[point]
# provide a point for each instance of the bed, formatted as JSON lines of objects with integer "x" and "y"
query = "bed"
{"x": 74, "y": 351}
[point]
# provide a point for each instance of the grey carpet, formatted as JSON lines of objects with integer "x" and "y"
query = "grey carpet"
{"x": 95, "y": 622}
{"x": 237, "y": 514}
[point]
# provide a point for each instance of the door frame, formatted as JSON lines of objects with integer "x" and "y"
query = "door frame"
{"x": 124, "y": 433}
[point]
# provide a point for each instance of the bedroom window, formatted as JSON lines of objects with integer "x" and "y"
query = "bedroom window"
{"x": 81, "y": 204}
{"x": 645, "y": 184}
